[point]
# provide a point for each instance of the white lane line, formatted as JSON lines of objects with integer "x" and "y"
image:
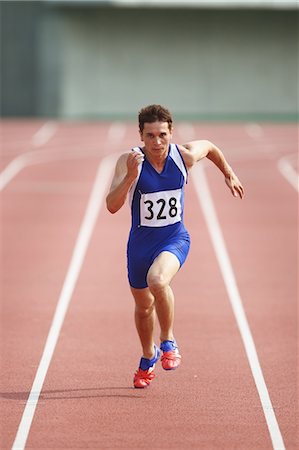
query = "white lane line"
{"x": 254, "y": 130}
{"x": 40, "y": 138}
{"x": 44, "y": 134}
{"x": 186, "y": 129}
{"x": 41, "y": 157}
{"x": 288, "y": 171}
{"x": 12, "y": 169}
{"x": 94, "y": 205}
{"x": 214, "y": 229}
{"x": 116, "y": 132}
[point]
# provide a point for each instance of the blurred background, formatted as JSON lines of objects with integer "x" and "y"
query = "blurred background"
{"x": 105, "y": 59}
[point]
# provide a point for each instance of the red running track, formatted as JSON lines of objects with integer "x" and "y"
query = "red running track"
{"x": 87, "y": 399}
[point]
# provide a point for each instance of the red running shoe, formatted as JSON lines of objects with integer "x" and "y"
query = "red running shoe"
{"x": 143, "y": 378}
{"x": 171, "y": 359}
{"x": 145, "y": 373}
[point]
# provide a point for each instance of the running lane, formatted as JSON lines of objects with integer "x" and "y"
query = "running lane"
{"x": 42, "y": 208}
{"x": 261, "y": 235}
{"x": 87, "y": 400}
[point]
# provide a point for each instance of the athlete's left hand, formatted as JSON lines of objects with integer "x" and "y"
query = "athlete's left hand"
{"x": 234, "y": 185}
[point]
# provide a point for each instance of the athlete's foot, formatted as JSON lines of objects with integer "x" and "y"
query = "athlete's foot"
{"x": 145, "y": 373}
{"x": 171, "y": 359}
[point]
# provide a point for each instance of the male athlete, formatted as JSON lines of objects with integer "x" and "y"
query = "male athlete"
{"x": 154, "y": 177}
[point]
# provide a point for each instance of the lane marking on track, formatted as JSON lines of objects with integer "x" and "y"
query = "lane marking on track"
{"x": 254, "y": 130}
{"x": 116, "y": 132}
{"x": 286, "y": 168}
{"x": 93, "y": 207}
{"x": 186, "y": 129}
{"x": 44, "y": 134}
{"x": 214, "y": 229}
{"x": 41, "y": 157}
{"x": 40, "y": 138}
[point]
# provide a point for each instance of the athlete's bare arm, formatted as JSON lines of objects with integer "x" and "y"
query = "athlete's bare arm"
{"x": 194, "y": 151}
{"x": 126, "y": 170}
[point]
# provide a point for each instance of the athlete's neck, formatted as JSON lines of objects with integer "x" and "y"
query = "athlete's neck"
{"x": 156, "y": 159}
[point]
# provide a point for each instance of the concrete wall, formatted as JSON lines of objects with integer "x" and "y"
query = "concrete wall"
{"x": 18, "y": 56}
{"x": 106, "y": 62}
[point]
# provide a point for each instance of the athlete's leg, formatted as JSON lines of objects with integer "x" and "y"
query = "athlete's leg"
{"x": 159, "y": 276}
{"x": 145, "y": 319}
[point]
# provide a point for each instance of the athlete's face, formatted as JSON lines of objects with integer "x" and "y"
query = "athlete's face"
{"x": 156, "y": 137}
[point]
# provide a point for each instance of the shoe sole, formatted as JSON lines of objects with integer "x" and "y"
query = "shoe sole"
{"x": 171, "y": 368}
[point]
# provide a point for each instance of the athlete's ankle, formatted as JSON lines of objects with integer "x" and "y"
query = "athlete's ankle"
{"x": 166, "y": 337}
{"x": 149, "y": 353}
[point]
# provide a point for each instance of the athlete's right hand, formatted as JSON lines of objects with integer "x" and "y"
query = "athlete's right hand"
{"x": 133, "y": 161}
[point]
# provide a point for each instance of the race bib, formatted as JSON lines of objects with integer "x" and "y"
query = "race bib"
{"x": 159, "y": 209}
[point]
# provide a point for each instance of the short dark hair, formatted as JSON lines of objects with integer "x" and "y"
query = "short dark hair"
{"x": 154, "y": 113}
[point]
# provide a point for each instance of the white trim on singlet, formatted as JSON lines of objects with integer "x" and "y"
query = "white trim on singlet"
{"x": 178, "y": 160}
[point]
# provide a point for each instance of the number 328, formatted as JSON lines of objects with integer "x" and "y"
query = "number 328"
{"x": 163, "y": 211}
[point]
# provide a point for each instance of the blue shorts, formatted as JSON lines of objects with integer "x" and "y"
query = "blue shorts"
{"x": 143, "y": 248}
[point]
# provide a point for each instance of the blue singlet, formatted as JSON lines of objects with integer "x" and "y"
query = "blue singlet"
{"x": 157, "y": 208}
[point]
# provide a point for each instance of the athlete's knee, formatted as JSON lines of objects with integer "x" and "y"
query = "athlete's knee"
{"x": 156, "y": 283}
{"x": 144, "y": 311}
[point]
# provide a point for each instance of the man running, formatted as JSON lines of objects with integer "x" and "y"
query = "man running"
{"x": 154, "y": 176}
